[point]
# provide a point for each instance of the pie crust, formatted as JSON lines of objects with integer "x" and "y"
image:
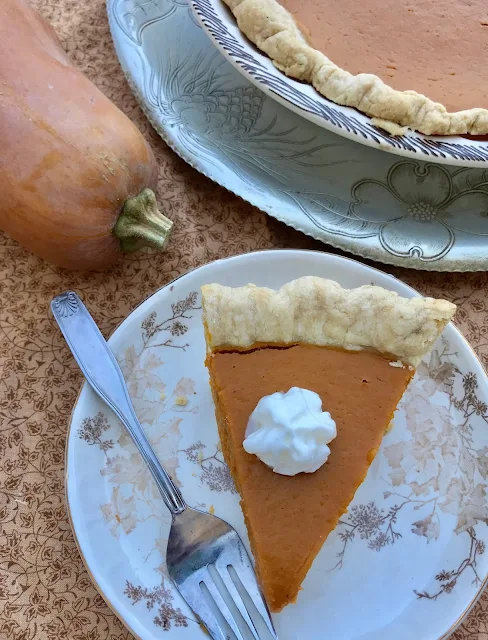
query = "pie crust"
{"x": 317, "y": 311}
{"x": 274, "y": 30}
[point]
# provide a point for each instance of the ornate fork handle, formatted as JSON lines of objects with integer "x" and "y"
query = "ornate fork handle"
{"x": 103, "y": 373}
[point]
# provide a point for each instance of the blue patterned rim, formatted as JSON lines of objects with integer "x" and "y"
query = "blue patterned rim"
{"x": 327, "y": 113}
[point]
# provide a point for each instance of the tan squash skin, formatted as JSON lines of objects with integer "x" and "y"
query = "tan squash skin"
{"x": 69, "y": 159}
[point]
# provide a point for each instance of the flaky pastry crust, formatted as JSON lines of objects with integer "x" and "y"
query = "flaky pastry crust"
{"x": 318, "y": 311}
{"x": 273, "y": 29}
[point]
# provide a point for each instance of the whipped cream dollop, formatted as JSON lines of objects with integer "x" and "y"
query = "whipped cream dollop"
{"x": 289, "y": 432}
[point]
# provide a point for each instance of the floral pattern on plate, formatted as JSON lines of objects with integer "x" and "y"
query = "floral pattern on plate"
{"x": 425, "y": 493}
{"x": 438, "y": 467}
{"x": 417, "y": 199}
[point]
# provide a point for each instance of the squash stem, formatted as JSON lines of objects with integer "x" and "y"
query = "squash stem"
{"x": 141, "y": 224}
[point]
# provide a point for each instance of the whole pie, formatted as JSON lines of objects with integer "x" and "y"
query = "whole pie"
{"x": 412, "y": 63}
{"x": 357, "y": 349}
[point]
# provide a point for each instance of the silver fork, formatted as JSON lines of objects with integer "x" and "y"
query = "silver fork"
{"x": 205, "y": 557}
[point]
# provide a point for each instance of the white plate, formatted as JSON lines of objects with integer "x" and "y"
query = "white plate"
{"x": 406, "y": 562}
{"x": 303, "y": 99}
{"x": 373, "y": 204}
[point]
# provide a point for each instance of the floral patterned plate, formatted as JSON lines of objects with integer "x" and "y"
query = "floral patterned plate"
{"x": 408, "y": 558}
{"x": 401, "y": 211}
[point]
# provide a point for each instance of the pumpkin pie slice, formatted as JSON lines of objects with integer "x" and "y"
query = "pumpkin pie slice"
{"x": 357, "y": 349}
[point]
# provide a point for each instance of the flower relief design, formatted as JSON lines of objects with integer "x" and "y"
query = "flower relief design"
{"x": 230, "y": 113}
{"x": 221, "y": 118}
{"x": 419, "y": 207}
{"x": 133, "y": 16}
{"x": 205, "y": 102}
{"x": 436, "y": 471}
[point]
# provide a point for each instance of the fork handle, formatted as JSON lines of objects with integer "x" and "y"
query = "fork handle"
{"x": 103, "y": 374}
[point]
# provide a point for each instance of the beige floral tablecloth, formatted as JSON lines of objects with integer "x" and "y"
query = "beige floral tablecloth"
{"x": 45, "y": 591}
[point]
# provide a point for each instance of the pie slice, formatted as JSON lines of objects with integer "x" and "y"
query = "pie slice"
{"x": 357, "y": 349}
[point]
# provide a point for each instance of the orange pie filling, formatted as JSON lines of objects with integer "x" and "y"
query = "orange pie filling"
{"x": 435, "y": 47}
{"x": 289, "y": 518}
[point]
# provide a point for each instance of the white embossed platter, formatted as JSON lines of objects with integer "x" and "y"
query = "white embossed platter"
{"x": 395, "y": 210}
{"x": 407, "y": 560}
{"x": 302, "y": 98}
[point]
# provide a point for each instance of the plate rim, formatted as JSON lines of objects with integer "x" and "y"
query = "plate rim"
{"x": 473, "y": 264}
{"x": 248, "y": 60}
{"x": 170, "y": 283}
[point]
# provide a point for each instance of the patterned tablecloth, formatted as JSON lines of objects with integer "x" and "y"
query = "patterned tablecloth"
{"x": 45, "y": 591}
